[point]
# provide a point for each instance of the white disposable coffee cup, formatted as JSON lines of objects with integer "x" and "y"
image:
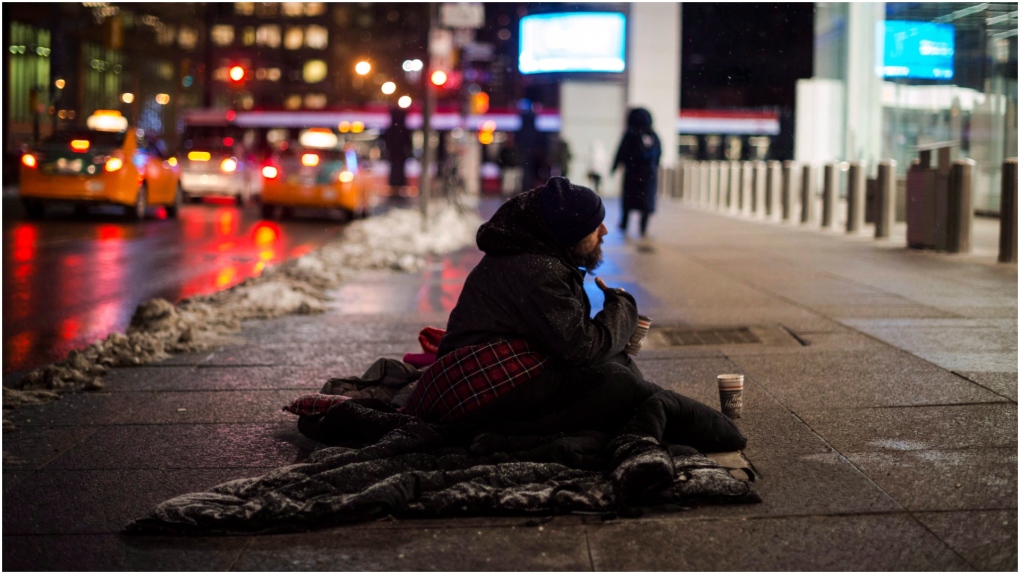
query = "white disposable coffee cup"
{"x": 731, "y": 394}
{"x": 634, "y": 345}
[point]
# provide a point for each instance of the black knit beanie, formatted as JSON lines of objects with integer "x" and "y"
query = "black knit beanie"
{"x": 571, "y": 211}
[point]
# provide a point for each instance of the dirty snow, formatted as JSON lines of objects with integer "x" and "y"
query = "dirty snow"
{"x": 159, "y": 329}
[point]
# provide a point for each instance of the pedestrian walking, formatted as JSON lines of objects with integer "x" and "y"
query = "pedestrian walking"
{"x": 639, "y": 154}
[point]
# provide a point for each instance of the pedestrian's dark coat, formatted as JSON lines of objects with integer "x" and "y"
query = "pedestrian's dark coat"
{"x": 527, "y": 286}
{"x": 639, "y": 154}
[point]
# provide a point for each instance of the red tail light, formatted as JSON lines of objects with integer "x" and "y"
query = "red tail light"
{"x": 28, "y": 160}
{"x": 270, "y": 172}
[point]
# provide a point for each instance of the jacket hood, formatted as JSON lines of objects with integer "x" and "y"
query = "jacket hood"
{"x": 518, "y": 228}
{"x": 639, "y": 119}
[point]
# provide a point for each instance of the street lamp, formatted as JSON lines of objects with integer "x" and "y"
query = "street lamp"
{"x": 362, "y": 68}
{"x": 404, "y": 102}
{"x": 388, "y": 88}
{"x": 127, "y": 97}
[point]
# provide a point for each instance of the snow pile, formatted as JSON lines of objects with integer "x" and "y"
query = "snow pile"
{"x": 159, "y": 328}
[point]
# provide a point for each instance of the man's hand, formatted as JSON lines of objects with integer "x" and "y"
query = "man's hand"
{"x": 602, "y": 285}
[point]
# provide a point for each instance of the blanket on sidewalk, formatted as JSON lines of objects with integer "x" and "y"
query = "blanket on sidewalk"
{"x": 387, "y": 463}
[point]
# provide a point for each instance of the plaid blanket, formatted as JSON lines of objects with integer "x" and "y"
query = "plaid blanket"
{"x": 471, "y": 377}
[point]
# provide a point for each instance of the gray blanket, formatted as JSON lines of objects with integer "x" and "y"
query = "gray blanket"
{"x": 405, "y": 467}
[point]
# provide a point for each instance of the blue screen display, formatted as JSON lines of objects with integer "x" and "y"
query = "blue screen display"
{"x": 574, "y": 42}
{"x": 915, "y": 50}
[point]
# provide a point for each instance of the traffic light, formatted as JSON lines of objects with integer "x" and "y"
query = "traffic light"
{"x": 236, "y": 74}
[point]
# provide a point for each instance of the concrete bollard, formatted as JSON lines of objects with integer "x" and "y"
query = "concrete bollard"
{"x": 830, "y": 193}
{"x": 688, "y": 187}
{"x": 885, "y": 199}
{"x": 758, "y": 203}
{"x": 855, "y": 198}
{"x": 773, "y": 181}
{"x": 724, "y": 186}
{"x": 713, "y": 183}
{"x": 960, "y": 210}
{"x": 703, "y": 183}
{"x": 733, "y": 200}
{"x": 1008, "y": 213}
{"x": 807, "y": 195}
{"x": 692, "y": 197}
{"x": 746, "y": 175}
{"x": 787, "y": 190}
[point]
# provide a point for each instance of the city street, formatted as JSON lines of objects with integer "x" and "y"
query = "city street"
{"x": 71, "y": 279}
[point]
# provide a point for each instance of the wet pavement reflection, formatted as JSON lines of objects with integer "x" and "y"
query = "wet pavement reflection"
{"x": 70, "y": 280}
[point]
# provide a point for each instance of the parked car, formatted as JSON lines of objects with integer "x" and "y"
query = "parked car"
{"x": 313, "y": 172}
{"x": 104, "y": 161}
{"x": 218, "y": 167}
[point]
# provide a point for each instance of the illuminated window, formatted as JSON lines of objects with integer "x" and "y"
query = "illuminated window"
{"x": 187, "y": 38}
{"x": 316, "y": 37}
{"x": 273, "y": 74}
{"x": 315, "y": 101}
{"x": 165, "y": 70}
{"x": 314, "y": 71}
{"x": 315, "y": 8}
{"x": 268, "y": 35}
{"x": 292, "y": 8}
{"x": 244, "y": 8}
{"x": 222, "y": 34}
{"x": 265, "y": 9}
{"x": 248, "y": 36}
{"x": 221, "y": 74}
{"x": 293, "y": 102}
{"x": 293, "y": 39}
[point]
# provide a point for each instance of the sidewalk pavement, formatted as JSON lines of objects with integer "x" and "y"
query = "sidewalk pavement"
{"x": 880, "y": 407}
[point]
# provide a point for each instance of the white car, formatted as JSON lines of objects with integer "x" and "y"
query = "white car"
{"x": 218, "y": 168}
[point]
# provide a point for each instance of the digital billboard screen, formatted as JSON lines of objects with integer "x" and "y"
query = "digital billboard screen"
{"x": 572, "y": 42}
{"x": 920, "y": 50}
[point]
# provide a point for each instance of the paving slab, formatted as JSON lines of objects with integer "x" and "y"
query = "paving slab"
{"x": 338, "y": 353}
{"x": 147, "y": 377}
{"x": 236, "y": 378}
{"x": 986, "y": 539}
{"x": 844, "y": 543}
{"x": 116, "y": 553}
{"x": 13, "y": 477}
{"x": 966, "y": 479}
{"x": 72, "y": 409}
{"x": 815, "y": 381}
{"x": 99, "y": 501}
{"x": 189, "y": 446}
{"x": 31, "y": 448}
{"x": 916, "y": 428}
{"x": 1003, "y": 383}
{"x": 550, "y": 547}
{"x": 178, "y": 407}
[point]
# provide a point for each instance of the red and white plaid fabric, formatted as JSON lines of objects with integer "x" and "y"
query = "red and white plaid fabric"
{"x": 314, "y": 404}
{"x": 470, "y": 377}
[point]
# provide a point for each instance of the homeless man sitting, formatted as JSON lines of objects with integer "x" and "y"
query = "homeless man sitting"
{"x": 522, "y": 355}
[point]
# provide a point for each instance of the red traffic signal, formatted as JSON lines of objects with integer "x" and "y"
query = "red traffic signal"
{"x": 236, "y": 74}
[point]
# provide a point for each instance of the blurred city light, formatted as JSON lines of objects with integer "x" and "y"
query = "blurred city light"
{"x": 388, "y": 88}
{"x": 236, "y": 73}
{"x": 438, "y": 77}
{"x": 127, "y": 97}
{"x": 415, "y": 65}
{"x": 362, "y": 68}
{"x": 163, "y": 99}
{"x": 59, "y": 83}
{"x": 404, "y": 102}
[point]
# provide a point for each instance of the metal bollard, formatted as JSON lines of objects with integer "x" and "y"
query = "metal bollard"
{"x": 807, "y": 195}
{"x": 1008, "y": 213}
{"x": 787, "y": 190}
{"x": 855, "y": 198}
{"x": 885, "y": 200}
{"x": 830, "y": 193}
{"x": 758, "y": 202}
{"x": 772, "y": 185}
{"x": 960, "y": 212}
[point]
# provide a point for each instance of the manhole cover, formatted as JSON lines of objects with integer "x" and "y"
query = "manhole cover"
{"x": 686, "y": 337}
{"x": 663, "y": 337}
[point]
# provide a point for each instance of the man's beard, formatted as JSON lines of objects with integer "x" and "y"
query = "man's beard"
{"x": 590, "y": 260}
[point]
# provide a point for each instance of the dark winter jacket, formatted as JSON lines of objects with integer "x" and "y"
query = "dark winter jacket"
{"x": 639, "y": 154}
{"x": 527, "y": 286}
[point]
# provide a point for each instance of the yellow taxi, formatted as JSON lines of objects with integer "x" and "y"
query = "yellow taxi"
{"x": 313, "y": 172}
{"x": 102, "y": 162}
